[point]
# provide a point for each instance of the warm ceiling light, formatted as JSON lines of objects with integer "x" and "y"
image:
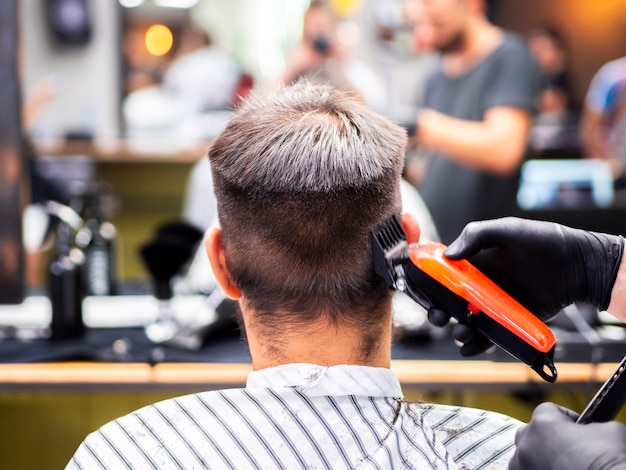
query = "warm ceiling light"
{"x": 159, "y": 39}
{"x": 345, "y": 7}
{"x": 130, "y": 3}
{"x": 176, "y": 3}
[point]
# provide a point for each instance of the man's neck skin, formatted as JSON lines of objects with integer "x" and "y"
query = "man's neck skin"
{"x": 318, "y": 343}
{"x": 481, "y": 38}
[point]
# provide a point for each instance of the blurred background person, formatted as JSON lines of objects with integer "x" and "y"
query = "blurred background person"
{"x": 200, "y": 74}
{"x": 603, "y": 122}
{"x": 547, "y": 45}
{"x": 322, "y": 56}
{"x": 555, "y": 127}
{"x": 477, "y": 111}
{"x": 195, "y": 96}
{"x": 402, "y": 53}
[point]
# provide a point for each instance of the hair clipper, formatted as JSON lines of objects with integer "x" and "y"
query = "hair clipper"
{"x": 460, "y": 289}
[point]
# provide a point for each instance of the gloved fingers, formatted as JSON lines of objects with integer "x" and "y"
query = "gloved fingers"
{"x": 438, "y": 317}
{"x": 520, "y": 434}
{"x": 517, "y": 462}
{"x": 546, "y": 418}
{"x": 571, "y": 415}
{"x": 474, "y": 343}
{"x": 477, "y": 236}
{"x": 463, "y": 333}
{"x": 477, "y": 346}
{"x": 552, "y": 412}
{"x": 467, "y": 244}
{"x": 553, "y": 440}
{"x": 514, "y": 464}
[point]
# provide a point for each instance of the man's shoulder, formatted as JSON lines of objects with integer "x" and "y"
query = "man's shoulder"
{"x": 618, "y": 64}
{"x": 611, "y": 72}
{"x": 189, "y": 404}
{"x": 512, "y": 47}
{"x": 162, "y": 434}
{"x": 474, "y": 438}
{"x": 432, "y": 412}
{"x": 183, "y": 410}
{"x": 514, "y": 40}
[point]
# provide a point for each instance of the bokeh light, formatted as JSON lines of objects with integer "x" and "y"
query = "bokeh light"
{"x": 159, "y": 39}
{"x": 345, "y": 8}
{"x": 130, "y": 3}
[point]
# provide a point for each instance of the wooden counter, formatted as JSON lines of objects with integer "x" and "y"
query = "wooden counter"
{"x": 123, "y": 151}
{"x": 414, "y": 375}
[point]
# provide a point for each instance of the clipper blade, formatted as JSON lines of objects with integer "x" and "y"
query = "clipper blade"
{"x": 390, "y": 234}
{"x": 389, "y": 248}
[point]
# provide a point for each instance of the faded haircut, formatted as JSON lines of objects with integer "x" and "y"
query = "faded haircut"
{"x": 302, "y": 174}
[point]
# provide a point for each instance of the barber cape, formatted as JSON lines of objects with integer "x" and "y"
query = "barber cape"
{"x": 302, "y": 416}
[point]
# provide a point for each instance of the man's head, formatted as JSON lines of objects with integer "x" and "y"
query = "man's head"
{"x": 449, "y": 20}
{"x": 301, "y": 177}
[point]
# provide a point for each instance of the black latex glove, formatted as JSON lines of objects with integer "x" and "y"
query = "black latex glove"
{"x": 543, "y": 265}
{"x": 553, "y": 441}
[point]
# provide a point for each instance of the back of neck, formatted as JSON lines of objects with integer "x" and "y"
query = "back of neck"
{"x": 322, "y": 344}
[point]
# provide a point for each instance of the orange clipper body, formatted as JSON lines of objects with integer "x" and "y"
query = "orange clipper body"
{"x": 457, "y": 287}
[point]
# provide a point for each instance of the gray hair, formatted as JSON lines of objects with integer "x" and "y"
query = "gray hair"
{"x": 310, "y": 139}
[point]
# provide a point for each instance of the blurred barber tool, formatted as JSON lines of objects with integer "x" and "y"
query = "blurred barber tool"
{"x": 609, "y": 399}
{"x": 215, "y": 319}
{"x": 98, "y": 239}
{"x": 165, "y": 256}
{"x": 65, "y": 275}
{"x": 457, "y": 287}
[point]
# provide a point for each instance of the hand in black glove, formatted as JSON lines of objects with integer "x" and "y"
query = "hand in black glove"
{"x": 553, "y": 440}
{"x": 543, "y": 265}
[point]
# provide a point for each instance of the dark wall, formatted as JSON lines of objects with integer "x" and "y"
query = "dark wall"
{"x": 11, "y": 166}
{"x": 595, "y": 30}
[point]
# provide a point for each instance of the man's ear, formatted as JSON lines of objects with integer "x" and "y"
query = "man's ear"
{"x": 411, "y": 227}
{"x": 217, "y": 257}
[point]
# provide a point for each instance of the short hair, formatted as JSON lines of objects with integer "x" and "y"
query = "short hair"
{"x": 302, "y": 174}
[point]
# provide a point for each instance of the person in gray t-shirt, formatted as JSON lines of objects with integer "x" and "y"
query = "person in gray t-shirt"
{"x": 476, "y": 115}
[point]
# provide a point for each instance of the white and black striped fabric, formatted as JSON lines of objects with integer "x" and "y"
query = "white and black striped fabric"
{"x": 302, "y": 416}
